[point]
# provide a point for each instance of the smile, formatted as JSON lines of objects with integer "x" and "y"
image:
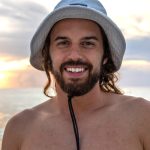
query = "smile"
{"x": 75, "y": 70}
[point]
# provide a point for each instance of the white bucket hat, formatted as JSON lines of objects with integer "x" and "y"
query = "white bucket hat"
{"x": 83, "y": 9}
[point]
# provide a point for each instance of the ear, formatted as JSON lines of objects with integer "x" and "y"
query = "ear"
{"x": 105, "y": 61}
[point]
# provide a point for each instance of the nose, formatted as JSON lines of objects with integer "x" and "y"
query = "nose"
{"x": 74, "y": 53}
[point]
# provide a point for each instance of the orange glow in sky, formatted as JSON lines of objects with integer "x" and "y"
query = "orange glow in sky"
{"x": 5, "y": 80}
{"x": 19, "y": 73}
{"x": 9, "y": 70}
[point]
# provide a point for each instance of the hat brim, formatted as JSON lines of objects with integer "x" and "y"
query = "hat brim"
{"x": 115, "y": 38}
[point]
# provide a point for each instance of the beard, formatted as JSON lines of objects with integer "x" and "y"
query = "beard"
{"x": 75, "y": 87}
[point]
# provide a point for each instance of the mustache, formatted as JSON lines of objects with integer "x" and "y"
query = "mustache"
{"x": 75, "y": 63}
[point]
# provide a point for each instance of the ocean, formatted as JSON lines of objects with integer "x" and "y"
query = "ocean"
{"x": 13, "y": 101}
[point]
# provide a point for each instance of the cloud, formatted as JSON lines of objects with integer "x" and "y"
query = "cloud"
{"x": 135, "y": 25}
{"x": 29, "y": 78}
{"x": 133, "y": 17}
{"x": 22, "y": 78}
{"x": 135, "y": 73}
{"x": 137, "y": 65}
{"x": 19, "y": 73}
{"x": 14, "y": 65}
{"x": 22, "y": 11}
{"x": 22, "y": 18}
{"x": 138, "y": 48}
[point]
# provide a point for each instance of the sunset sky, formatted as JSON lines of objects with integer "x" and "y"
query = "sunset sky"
{"x": 20, "y": 18}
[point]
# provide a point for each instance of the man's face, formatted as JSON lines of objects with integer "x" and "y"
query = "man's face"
{"x": 76, "y": 51}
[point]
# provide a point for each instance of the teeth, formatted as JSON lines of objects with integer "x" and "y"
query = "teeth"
{"x": 75, "y": 69}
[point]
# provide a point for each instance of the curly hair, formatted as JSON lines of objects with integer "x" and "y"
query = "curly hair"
{"x": 107, "y": 78}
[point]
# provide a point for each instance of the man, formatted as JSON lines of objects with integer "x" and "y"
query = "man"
{"x": 81, "y": 48}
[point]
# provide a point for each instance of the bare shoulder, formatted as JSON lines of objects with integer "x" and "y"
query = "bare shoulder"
{"x": 15, "y": 129}
{"x": 27, "y": 117}
{"x": 20, "y": 125}
{"x": 138, "y": 111}
{"x": 135, "y": 108}
{"x": 137, "y": 104}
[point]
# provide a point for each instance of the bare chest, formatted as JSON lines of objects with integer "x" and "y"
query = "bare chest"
{"x": 104, "y": 134}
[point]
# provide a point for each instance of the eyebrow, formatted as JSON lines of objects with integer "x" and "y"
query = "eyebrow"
{"x": 90, "y": 38}
{"x": 60, "y": 38}
{"x": 84, "y": 38}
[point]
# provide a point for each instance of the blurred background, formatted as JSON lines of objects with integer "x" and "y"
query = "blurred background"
{"x": 21, "y": 85}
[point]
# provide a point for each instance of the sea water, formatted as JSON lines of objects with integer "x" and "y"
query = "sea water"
{"x": 13, "y": 101}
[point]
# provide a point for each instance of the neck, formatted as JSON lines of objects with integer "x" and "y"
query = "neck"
{"x": 91, "y": 101}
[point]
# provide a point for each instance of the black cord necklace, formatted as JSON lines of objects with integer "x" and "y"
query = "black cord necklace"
{"x": 74, "y": 122}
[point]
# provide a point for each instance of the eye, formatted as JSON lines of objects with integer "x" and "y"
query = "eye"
{"x": 63, "y": 43}
{"x": 88, "y": 44}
